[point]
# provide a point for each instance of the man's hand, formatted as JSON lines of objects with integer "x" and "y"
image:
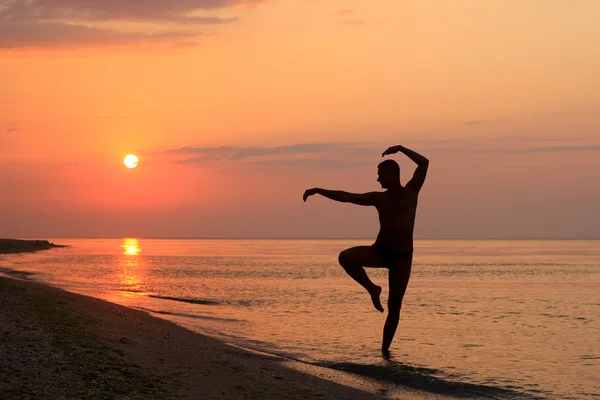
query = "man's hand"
{"x": 309, "y": 193}
{"x": 391, "y": 150}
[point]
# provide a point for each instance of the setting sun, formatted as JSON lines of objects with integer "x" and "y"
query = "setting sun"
{"x": 131, "y": 161}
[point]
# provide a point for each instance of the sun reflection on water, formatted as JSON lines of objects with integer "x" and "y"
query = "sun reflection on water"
{"x": 131, "y": 247}
{"x": 130, "y": 273}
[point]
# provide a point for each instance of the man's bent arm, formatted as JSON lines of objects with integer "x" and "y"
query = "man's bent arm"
{"x": 413, "y": 155}
{"x": 362, "y": 199}
{"x": 422, "y": 165}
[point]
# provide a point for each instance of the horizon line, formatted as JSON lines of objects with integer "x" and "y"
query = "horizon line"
{"x": 293, "y": 238}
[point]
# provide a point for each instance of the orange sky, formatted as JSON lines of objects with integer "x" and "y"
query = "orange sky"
{"x": 236, "y": 107}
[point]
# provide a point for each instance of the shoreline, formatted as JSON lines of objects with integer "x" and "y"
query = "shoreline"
{"x": 64, "y": 319}
{"x": 59, "y": 344}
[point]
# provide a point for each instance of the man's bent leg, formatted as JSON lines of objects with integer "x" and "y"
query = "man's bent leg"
{"x": 398, "y": 278}
{"x": 353, "y": 260}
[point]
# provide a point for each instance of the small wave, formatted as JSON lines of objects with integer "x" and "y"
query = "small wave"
{"x": 505, "y": 264}
{"x": 205, "y": 317}
{"x": 424, "y": 379}
{"x": 131, "y": 291}
{"x": 206, "y": 302}
{"x": 16, "y": 273}
{"x": 186, "y": 300}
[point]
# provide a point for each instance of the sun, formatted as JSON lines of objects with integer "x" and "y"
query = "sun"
{"x": 131, "y": 161}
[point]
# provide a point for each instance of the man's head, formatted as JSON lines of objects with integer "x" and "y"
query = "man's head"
{"x": 388, "y": 174}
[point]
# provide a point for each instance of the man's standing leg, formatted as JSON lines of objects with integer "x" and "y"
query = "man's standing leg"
{"x": 399, "y": 276}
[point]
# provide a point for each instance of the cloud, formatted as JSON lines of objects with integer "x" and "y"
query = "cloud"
{"x": 498, "y": 146}
{"x": 322, "y": 155}
{"x": 319, "y": 163}
{"x": 14, "y": 129}
{"x": 345, "y": 155}
{"x": 113, "y": 10}
{"x": 206, "y": 20}
{"x": 238, "y": 153}
{"x": 549, "y": 149}
{"x": 35, "y": 34}
{"x": 3, "y": 102}
{"x": 344, "y": 12}
{"x": 61, "y": 23}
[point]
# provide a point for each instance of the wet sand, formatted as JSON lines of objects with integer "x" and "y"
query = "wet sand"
{"x": 60, "y": 345}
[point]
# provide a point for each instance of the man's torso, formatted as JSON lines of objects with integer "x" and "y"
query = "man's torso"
{"x": 397, "y": 213}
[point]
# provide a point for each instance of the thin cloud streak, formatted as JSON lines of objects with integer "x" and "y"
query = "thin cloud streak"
{"x": 509, "y": 150}
{"x": 312, "y": 155}
{"x": 130, "y": 10}
{"x": 318, "y": 163}
{"x": 38, "y": 35}
{"x": 296, "y": 154}
{"x": 340, "y": 155}
{"x": 550, "y": 149}
{"x": 66, "y": 23}
{"x": 238, "y": 153}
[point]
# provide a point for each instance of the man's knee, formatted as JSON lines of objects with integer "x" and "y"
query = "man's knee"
{"x": 345, "y": 258}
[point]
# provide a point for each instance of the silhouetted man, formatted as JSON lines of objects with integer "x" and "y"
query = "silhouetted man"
{"x": 393, "y": 248}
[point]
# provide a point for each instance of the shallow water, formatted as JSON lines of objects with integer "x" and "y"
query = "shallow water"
{"x": 497, "y": 319}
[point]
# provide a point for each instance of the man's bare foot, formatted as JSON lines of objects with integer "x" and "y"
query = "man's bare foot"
{"x": 385, "y": 353}
{"x": 375, "y": 298}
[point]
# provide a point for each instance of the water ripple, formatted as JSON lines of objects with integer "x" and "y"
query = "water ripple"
{"x": 194, "y": 316}
{"x": 186, "y": 299}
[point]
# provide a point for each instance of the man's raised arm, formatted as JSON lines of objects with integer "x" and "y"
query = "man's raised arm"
{"x": 422, "y": 165}
{"x": 361, "y": 199}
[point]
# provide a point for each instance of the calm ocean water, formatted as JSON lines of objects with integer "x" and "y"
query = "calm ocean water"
{"x": 499, "y": 319}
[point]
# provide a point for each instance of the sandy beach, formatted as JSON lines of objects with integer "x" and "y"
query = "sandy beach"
{"x": 60, "y": 345}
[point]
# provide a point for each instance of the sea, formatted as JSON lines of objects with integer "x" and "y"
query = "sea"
{"x": 481, "y": 318}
